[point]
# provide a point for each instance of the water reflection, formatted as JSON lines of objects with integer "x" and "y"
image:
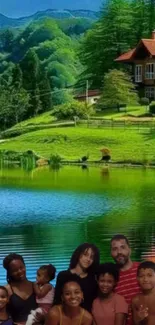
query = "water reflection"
{"x": 45, "y": 213}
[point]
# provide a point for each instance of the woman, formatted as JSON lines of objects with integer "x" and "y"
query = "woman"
{"x": 69, "y": 311}
{"x": 20, "y": 290}
{"x": 83, "y": 264}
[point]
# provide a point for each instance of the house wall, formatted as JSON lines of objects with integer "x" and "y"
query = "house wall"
{"x": 147, "y": 82}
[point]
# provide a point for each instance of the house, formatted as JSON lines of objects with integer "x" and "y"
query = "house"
{"x": 90, "y": 97}
{"x": 142, "y": 61}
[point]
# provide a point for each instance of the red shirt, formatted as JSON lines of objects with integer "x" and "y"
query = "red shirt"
{"x": 128, "y": 287}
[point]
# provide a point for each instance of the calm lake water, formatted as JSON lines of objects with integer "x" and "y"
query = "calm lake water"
{"x": 45, "y": 214}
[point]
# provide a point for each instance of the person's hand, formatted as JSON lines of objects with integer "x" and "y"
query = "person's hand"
{"x": 142, "y": 312}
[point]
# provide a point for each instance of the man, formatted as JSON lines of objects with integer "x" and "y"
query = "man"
{"x": 127, "y": 285}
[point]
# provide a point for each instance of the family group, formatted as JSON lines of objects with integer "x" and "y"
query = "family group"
{"x": 88, "y": 293}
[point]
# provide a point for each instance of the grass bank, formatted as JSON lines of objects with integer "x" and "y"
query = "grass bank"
{"x": 75, "y": 142}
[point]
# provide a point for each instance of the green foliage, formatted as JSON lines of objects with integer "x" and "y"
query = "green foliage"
{"x": 152, "y": 107}
{"x": 121, "y": 25}
{"x": 55, "y": 161}
{"x": 61, "y": 96}
{"x": 73, "y": 110}
{"x": 110, "y": 36}
{"x": 118, "y": 89}
{"x": 144, "y": 101}
{"x": 6, "y": 39}
{"x": 45, "y": 92}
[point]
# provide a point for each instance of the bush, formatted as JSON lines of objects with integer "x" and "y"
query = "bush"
{"x": 152, "y": 107}
{"x": 72, "y": 110}
{"x": 144, "y": 101}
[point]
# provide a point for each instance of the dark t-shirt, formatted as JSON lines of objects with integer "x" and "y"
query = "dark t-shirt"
{"x": 88, "y": 285}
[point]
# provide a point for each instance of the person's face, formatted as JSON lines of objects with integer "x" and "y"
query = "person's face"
{"x": 120, "y": 251}
{"x": 72, "y": 294}
{"x": 106, "y": 283}
{"x": 146, "y": 279}
{"x": 17, "y": 270}
{"x": 86, "y": 258}
{"x": 42, "y": 277}
{"x": 4, "y": 299}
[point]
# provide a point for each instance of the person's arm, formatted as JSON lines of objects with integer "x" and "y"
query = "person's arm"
{"x": 42, "y": 292}
{"x": 120, "y": 319}
{"x": 52, "y": 317}
{"x": 139, "y": 312}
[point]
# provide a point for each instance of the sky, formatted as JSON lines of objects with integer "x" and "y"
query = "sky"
{"x": 19, "y": 8}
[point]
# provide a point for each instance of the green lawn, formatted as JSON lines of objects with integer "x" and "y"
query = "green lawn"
{"x": 74, "y": 142}
{"x": 45, "y": 118}
{"x": 130, "y": 110}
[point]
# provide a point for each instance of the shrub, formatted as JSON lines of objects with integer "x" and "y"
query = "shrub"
{"x": 152, "y": 107}
{"x": 144, "y": 101}
{"x": 72, "y": 110}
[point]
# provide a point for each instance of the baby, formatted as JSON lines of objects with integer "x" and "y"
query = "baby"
{"x": 44, "y": 292}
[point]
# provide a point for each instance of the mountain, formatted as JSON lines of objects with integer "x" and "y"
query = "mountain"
{"x": 52, "y": 13}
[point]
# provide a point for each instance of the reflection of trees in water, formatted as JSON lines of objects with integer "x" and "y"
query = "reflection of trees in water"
{"x": 144, "y": 231}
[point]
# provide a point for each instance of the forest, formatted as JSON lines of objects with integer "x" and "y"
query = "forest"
{"x": 43, "y": 63}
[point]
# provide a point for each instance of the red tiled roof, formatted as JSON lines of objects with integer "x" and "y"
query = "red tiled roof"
{"x": 149, "y": 45}
{"x": 126, "y": 56}
{"x": 91, "y": 93}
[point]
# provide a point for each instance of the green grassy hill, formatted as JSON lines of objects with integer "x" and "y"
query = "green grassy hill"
{"x": 126, "y": 145}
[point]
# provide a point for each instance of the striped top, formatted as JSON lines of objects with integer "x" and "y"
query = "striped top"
{"x": 128, "y": 286}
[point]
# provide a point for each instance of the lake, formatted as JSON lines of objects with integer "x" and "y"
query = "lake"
{"x": 45, "y": 214}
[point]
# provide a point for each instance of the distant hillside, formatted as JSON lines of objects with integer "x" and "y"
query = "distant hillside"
{"x": 57, "y": 14}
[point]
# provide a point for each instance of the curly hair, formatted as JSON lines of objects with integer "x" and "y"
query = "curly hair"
{"x": 79, "y": 251}
{"x": 109, "y": 268}
{"x": 50, "y": 269}
{"x": 71, "y": 278}
{"x": 6, "y": 263}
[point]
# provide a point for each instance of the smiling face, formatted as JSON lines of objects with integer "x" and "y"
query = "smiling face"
{"x": 120, "y": 251}
{"x": 4, "y": 298}
{"x": 146, "y": 279}
{"x": 17, "y": 270}
{"x": 106, "y": 283}
{"x": 86, "y": 259}
{"x": 72, "y": 295}
{"x": 42, "y": 277}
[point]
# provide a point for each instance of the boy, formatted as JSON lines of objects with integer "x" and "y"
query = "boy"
{"x": 143, "y": 304}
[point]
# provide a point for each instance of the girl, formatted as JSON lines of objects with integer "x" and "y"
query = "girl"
{"x": 83, "y": 264}
{"x": 21, "y": 292}
{"x": 109, "y": 308}
{"x": 44, "y": 292}
{"x": 4, "y": 299}
{"x": 69, "y": 311}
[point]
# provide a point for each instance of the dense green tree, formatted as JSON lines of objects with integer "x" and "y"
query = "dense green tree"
{"x": 110, "y": 36}
{"x": 6, "y": 39}
{"x": 118, "y": 90}
{"x": 45, "y": 92}
{"x": 61, "y": 96}
{"x": 30, "y": 66}
{"x": 17, "y": 76}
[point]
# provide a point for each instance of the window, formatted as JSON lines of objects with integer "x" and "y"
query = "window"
{"x": 149, "y": 71}
{"x": 138, "y": 73}
{"x": 150, "y": 92}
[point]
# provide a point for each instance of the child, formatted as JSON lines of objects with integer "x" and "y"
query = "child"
{"x": 143, "y": 304}
{"x": 69, "y": 312}
{"x": 44, "y": 292}
{"x": 109, "y": 308}
{"x": 4, "y": 299}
